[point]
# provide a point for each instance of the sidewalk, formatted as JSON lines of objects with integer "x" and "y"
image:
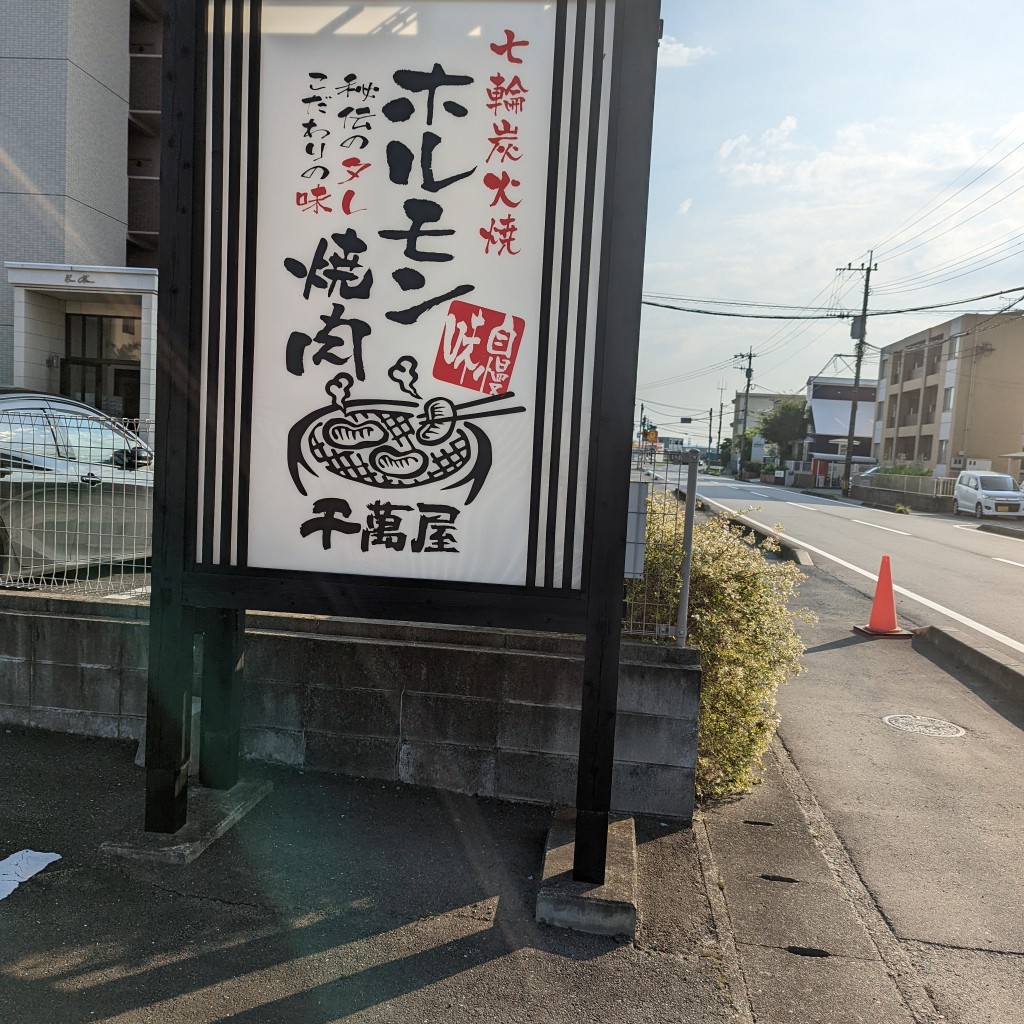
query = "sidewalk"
{"x": 334, "y": 899}
{"x": 346, "y": 899}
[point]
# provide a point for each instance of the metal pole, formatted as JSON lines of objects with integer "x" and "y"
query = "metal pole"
{"x": 690, "y": 512}
{"x": 640, "y": 440}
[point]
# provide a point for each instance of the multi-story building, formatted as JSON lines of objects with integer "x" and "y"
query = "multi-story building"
{"x": 79, "y": 188}
{"x": 829, "y": 406}
{"x": 952, "y": 397}
{"x": 747, "y": 410}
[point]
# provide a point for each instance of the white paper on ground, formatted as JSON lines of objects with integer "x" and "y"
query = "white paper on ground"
{"x": 21, "y": 866}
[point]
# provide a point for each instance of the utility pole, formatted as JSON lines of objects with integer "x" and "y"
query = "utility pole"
{"x": 859, "y": 330}
{"x": 711, "y": 420}
{"x": 749, "y": 356}
{"x": 721, "y": 405}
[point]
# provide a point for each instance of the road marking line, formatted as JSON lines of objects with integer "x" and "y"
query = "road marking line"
{"x": 1008, "y": 562}
{"x": 813, "y": 508}
{"x": 935, "y": 606}
{"x": 976, "y": 529}
{"x": 761, "y": 494}
{"x": 875, "y": 526}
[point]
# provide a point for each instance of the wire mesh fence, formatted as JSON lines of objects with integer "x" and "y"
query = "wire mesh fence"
{"x": 652, "y": 600}
{"x": 76, "y": 501}
{"x": 76, "y": 514}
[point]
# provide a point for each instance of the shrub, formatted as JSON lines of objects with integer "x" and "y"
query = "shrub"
{"x": 740, "y": 620}
{"x": 906, "y": 469}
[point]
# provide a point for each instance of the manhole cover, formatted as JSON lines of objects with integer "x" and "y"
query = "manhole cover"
{"x": 924, "y": 726}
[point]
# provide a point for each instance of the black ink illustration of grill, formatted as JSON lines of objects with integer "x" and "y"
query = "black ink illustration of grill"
{"x": 396, "y": 444}
{"x": 399, "y": 461}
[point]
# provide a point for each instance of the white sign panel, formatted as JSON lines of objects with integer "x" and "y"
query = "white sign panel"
{"x": 403, "y": 172}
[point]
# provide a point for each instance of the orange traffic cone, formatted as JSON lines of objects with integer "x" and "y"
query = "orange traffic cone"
{"x": 883, "y": 610}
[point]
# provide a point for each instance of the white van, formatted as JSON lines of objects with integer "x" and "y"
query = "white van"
{"x": 987, "y": 494}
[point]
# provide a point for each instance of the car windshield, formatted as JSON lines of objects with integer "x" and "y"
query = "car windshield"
{"x": 998, "y": 482}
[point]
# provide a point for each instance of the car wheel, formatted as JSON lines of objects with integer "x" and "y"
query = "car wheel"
{"x": 956, "y": 507}
{"x": 978, "y": 514}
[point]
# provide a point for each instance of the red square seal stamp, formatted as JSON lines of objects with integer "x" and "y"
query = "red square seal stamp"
{"x": 478, "y": 348}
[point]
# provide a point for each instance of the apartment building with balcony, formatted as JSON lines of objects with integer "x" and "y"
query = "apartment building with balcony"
{"x": 748, "y": 409}
{"x": 79, "y": 199}
{"x": 952, "y": 397}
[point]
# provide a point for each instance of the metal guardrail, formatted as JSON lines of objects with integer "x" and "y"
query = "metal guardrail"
{"x": 76, "y": 502}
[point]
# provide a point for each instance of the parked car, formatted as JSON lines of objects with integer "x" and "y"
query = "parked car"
{"x": 76, "y": 487}
{"x": 987, "y": 494}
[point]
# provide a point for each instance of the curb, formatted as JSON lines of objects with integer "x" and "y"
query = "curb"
{"x": 997, "y": 669}
{"x": 1016, "y": 532}
{"x": 714, "y": 888}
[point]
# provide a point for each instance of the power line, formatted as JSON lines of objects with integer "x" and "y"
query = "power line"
{"x": 748, "y": 316}
{"x": 943, "y": 272}
{"x": 892, "y": 253}
{"x": 966, "y": 185}
{"x": 827, "y": 316}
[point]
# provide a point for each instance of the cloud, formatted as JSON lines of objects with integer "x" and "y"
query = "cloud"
{"x": 684, "y": 206}
{"x": 757, "y": 172}
{"x": 752, "y": 164}
{"x": 727, "y": 147}
{"x": 775, "y": 136}
{"x": 673, "y": 54}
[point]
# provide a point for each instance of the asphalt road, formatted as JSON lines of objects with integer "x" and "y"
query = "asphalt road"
{"x": 945, "y": 570}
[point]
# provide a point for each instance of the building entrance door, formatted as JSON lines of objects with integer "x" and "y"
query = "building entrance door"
{"x": 101, "y": 363}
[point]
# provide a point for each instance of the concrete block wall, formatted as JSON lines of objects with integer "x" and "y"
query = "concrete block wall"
{"x": 72, "y": 669}
{"x": 475, "y": 711}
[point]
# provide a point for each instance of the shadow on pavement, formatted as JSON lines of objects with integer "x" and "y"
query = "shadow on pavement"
{"x": 1010, "y": 706}
{"x": 336, "y": 898}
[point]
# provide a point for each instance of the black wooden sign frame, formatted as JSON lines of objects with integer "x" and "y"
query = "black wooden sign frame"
{"x": 201, "y": 582}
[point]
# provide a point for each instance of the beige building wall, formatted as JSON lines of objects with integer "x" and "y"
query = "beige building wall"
{"x": 952, "y": 397}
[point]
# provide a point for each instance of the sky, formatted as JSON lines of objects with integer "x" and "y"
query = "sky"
{"x": 793, "y": 137}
